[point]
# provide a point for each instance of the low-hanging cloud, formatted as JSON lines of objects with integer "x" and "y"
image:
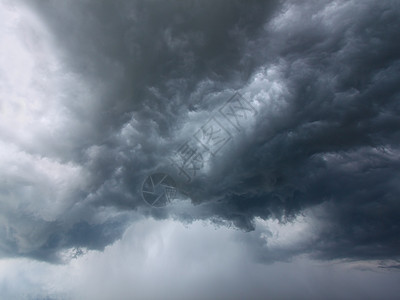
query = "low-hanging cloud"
{"x": 130, "y": 81}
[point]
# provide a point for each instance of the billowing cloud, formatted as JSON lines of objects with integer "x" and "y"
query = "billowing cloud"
{"x": 165, "y": 259}
{"x": 97, "y": 95}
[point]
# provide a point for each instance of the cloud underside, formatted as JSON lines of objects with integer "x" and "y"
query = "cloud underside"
{"x": 98, "y": 95}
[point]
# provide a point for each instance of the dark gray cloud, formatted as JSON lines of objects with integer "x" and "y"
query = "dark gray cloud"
{"x": 143, "y": 77}
{"x": 141, "y": 263}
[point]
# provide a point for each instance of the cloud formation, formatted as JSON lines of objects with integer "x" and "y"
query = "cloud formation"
{"x": 166, "y": 260}
{"x": 98, "y": 94}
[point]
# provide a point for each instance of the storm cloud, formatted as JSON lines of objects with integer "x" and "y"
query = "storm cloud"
{"x": 97, "y": 95}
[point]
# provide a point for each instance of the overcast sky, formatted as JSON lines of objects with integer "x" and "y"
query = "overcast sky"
{"x": 273, "y": 128}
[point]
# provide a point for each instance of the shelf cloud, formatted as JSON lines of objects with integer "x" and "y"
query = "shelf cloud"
{"x": 264, "y": 114}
